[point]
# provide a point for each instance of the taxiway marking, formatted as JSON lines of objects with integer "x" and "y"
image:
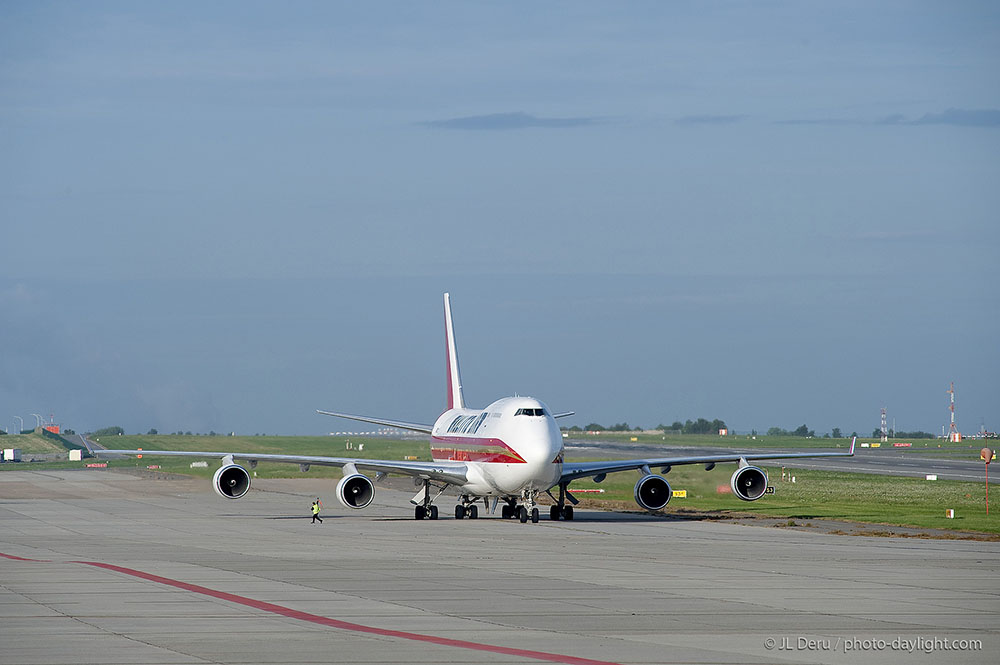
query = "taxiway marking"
{"x": 327, "y": 621}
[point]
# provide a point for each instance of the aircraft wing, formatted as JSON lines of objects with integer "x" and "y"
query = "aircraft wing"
{"x": 449, "y": 472}
{"x": 572, "y": 471}
{"x": 416, "y": 427}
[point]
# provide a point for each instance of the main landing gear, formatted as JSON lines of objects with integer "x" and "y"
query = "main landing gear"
{"x": 556, "y": 513}
{"x": 522, "y": 508}
{"x": 430, "y": 512}
{"x": 425, "y": 507}
{"x": 467, "y": 508}
{"x": 561, "y": 510}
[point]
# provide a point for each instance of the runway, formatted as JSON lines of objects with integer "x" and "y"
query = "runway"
{"x": 104, "y": 567}
{"x": 865, "y": 460}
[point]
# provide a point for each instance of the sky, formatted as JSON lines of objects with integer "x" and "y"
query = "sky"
{"x": 223, "y": 216}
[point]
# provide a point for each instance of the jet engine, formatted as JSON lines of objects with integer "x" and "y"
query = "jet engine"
{"x": 749, "y": 483}
{"x": 652, "y": 492}
{"x": 231, "y": 481}
{"x": 355, "y": 490}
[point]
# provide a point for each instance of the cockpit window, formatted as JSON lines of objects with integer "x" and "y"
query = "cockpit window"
{"x": 530, "y": 412}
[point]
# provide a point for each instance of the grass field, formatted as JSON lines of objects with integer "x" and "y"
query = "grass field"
{"x": 824, "y": 494}
{"x": 31, "y": 443}
{"x": 815, "y": 494}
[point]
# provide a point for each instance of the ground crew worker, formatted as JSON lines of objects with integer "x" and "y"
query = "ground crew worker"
{"x": 315, "y": 511}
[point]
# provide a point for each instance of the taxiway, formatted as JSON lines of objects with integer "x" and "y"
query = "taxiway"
{"x": 105, "y": 567}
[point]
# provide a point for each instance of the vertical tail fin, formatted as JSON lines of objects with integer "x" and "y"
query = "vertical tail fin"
{"x": 455, "y": 399}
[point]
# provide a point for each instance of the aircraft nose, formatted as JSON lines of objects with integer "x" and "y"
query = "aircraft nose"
{"x": 548, "y": 448}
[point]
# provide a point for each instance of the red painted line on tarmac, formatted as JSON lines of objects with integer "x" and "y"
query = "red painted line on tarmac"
{"x": 21, "y": 558}
{"x": 335, "y": 623}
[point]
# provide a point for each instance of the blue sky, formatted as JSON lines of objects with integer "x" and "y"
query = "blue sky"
{"x": 222, "y": 216}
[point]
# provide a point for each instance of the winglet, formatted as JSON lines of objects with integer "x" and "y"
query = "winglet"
{"x": 853, "y": 441}
{"x": 455, "y": 398}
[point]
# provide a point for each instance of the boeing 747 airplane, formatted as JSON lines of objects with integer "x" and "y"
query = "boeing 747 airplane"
{"x": 511, "y": 452}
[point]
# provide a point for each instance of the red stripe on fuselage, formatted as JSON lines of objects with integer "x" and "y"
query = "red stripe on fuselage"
{"x": 473, "y": 449}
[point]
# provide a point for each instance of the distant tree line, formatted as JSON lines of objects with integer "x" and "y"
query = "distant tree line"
{"x": 705, "y": 426}
{"x": 904, "y": 435}
{"x": 802, "y": 430}
{"x": 700, "y": 426}
{"x": 596, "y": 427}
{"x": 190, "y": 433}
{"x": 108, "y": 431}
{"x": 114, "y": 431}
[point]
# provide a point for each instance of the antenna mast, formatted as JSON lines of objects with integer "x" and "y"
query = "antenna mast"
{"x": 953, "y": 433}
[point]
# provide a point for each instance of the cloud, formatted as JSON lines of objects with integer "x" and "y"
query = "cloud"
{"x": 504, "y": 121}
{"x": 17, "y": 294}
{"x": 825, "y": 121}
{"x": 962, "y": 118}
{"x": 886, "y": 235}
{"x": 954, "y": 117}
{"x": 710, "y": 119}
{"x": 894, "y": 119}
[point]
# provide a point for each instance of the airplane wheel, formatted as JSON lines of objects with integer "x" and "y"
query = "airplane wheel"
{"x": 473, "y": 512}
{"x": 434, "y": 512}
{"x": 419, "y": 512}
{"x": 522, "y": 514}
{"x": 567, "y": 512}
{"x": 505, "y": 512}
{"x": 554, "y": 513}
{"x": 459, "y": 511}
{"x": 534, "y": 515}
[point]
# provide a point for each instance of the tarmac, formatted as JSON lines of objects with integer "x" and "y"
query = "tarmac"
{"x": 100, "y": 566}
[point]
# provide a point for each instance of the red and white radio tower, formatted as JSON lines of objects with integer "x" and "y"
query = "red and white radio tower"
{"x": 953, "y": 434}
{"x": 885, "y": 429}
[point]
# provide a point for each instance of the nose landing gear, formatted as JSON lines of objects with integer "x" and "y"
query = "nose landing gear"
{"x": 523, "y": 514}
{"x": 523, "y": 509}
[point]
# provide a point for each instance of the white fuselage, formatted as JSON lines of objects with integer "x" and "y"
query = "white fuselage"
{"x": 511, "y": 446}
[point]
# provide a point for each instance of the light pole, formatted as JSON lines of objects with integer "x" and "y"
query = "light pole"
{"x": 22, "y": 424}
{"x": 38, "y": 420}
{"x": 987, "y": 456}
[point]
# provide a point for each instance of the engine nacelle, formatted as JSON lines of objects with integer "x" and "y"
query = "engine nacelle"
{"x": 355, "y": 491}
{"x": 749, "y": 483}
{"x": 231, "y": 481}
{"x": 652, "y": 492}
